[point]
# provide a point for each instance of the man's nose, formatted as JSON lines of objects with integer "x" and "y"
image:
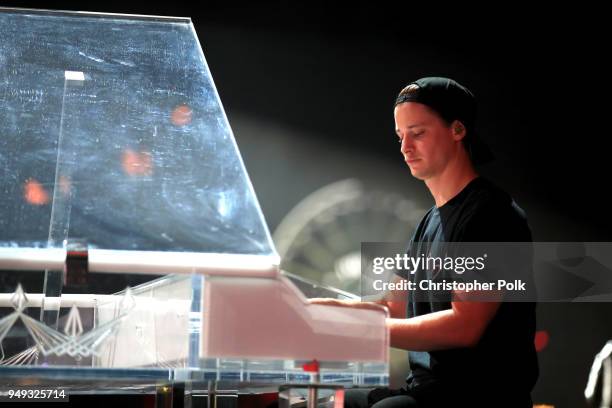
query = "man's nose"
{"x": 407, "y": 145}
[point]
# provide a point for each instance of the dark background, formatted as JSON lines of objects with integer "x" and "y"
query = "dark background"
{"x": 332, "y": 73}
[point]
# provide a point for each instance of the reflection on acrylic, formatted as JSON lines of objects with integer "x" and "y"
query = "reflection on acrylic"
{"x": 137, "y": 163}
{"x": 35, "y": 193}
{"x": 181, "y": 115}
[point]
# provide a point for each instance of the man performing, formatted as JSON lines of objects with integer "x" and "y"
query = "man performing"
{"x": 462, "y": 353}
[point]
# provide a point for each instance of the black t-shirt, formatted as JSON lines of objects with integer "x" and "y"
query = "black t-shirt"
{"x": 504, "y": 360}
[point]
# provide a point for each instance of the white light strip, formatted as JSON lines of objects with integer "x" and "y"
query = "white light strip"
{"x": 144, "y": 262}
{"x": 74, "y": 76}
{"x": 104, "y": 260}
{"x": 32, "y": 259}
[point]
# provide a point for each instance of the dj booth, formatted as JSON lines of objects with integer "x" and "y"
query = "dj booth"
{"x": 134, "y": 257}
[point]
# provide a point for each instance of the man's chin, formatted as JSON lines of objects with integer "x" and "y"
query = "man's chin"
{"x": 418, "y": 174}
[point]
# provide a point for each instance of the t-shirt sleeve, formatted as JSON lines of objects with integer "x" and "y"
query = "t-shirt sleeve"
{"x": 495, "y": 223}
{"x": 503, "y": 234}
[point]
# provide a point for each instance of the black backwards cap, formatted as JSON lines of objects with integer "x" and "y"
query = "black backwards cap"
{"x": 452, "y": 101}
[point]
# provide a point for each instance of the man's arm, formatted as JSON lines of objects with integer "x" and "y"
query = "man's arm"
{"x": 460, "y": 326}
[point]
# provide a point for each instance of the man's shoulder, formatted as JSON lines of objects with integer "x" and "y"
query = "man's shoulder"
{"x": 492, "y": 210}
{"x": 486, "y": 196}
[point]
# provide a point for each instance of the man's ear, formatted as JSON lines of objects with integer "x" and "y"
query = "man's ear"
{"x": 458, "y": 130}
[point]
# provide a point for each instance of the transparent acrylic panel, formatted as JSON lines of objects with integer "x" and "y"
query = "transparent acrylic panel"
{"x": 161, "y": 329}
{"x": 113, "y": 140}
{"x": 113, "y": 132}
{"x": 90, "y": 321}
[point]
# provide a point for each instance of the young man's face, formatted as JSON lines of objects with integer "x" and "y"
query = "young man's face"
{"x": 427, "y": 142}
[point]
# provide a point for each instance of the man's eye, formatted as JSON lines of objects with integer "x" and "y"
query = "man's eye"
{"x": 418, "y": 134}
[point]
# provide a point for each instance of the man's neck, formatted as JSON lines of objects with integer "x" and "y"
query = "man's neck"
{"x": 451, "y": 181}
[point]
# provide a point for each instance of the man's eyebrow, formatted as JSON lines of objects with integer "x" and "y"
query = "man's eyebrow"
{"x": 410, "y": 127}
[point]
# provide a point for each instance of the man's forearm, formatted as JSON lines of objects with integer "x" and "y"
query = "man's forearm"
{"x": 461, "y": 326}
{"x": 434, "y": 331}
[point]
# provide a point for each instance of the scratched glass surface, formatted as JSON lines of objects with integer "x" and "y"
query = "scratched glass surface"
{"x": 112, "y": 131}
